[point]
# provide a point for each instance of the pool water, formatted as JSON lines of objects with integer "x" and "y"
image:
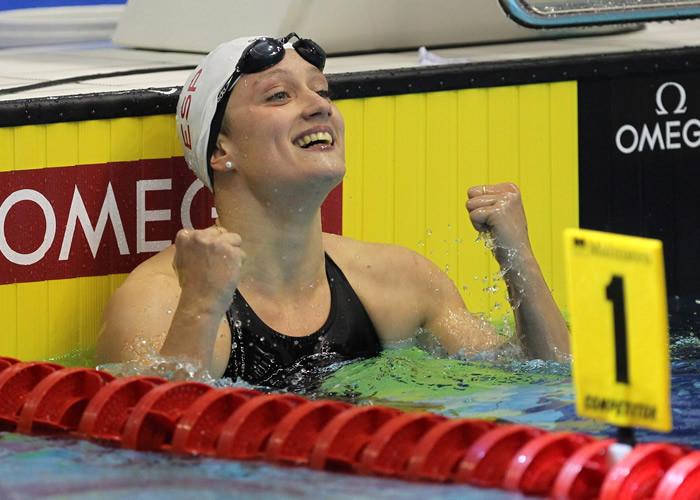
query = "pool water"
{"x": 72, "y": 469}
{"x": 531, "y": 392}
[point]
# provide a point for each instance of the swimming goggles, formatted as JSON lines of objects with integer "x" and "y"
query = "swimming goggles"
{"x": 260, "y": 55}
{"x": 264, "y": 53}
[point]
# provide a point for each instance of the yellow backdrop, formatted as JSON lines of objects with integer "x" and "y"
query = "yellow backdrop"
{"x": 410, "y": 158}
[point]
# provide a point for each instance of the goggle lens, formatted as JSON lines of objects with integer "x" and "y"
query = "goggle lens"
{"x": 266, "y": 52}
{"x": 262, "y": 54}
{"x": 311, "y": 52}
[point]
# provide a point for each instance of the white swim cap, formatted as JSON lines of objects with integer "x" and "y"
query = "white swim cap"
{"x": 198, "y": 100}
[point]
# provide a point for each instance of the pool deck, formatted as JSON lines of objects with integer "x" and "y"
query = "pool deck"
{"x": 32, "y": 65}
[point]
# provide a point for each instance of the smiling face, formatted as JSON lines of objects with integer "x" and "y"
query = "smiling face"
{"x": 282, "y": 132}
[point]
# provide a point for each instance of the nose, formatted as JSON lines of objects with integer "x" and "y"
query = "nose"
{"x": 316, "y": 106}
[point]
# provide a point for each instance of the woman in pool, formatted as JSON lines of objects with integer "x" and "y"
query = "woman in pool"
{"x": 265, "y": 287}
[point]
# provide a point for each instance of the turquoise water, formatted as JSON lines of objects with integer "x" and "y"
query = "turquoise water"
{"x": 531, "y": 392}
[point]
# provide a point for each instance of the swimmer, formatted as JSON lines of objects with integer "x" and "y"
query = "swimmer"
{"x": 265, "y": 287}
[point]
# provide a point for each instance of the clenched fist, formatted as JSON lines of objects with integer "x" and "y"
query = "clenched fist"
{"x": 208, "y": 264}
{"x": 498, "y": 209}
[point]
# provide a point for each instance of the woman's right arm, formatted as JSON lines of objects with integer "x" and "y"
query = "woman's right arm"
{"x": 181, "y": 313}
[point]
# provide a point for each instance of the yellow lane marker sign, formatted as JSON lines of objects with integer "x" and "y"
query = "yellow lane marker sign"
{"x": 619, "y": 328}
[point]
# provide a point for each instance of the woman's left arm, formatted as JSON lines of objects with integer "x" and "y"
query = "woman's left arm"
{"x": 498, "y": 210}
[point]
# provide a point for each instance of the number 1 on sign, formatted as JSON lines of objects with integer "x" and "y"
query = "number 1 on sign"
{"x": 615, "y": 292}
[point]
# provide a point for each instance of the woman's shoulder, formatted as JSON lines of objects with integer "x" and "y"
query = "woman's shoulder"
{"x": 155, "y": 273}
{"x": 159, "y": 264}
{"x": 381, "y": 259}
{"x": 141, "y": 306}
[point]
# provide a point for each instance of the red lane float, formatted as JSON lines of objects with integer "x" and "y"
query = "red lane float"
{"x": 198, "y": 429}
{"x": 6, "y": 362}
{"x": 582, "y": 475}
{"x": 294, "y": 437}
{"x": 245, "y": 434}
{"x": 390, "y": 449}
{"x": 437, "y": 455}
{"x": 107, "y": 412}
{"x": 16, "y": 382}
{"x": 682, "y": 480}
{"x": 637, "y": 475}
{"x": 339, "y": 445}
{"x": 535, "y": 466}
{"x": 153, "y": 420}
{"x": 57, "y": 403}
{"x": 486, "y": 461}
{"x": 149, "y": 413}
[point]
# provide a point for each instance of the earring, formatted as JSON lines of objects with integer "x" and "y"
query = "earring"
{"x": 229, "y": 165}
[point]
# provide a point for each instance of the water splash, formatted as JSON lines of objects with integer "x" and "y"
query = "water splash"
{"x": 685, "y": 348}
{"x": 237, "y": 341}
{"x": 167, "y": 367}
{"x": 506, "y": 259}
{"x": 146, "y": 360}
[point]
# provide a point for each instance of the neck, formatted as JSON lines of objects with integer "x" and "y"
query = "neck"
{"x": 283, "y": 242}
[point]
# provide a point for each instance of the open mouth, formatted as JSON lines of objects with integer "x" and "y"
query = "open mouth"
{"x": 315, "y": 140}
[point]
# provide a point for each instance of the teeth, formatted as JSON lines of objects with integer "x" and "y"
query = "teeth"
{"x": 319, "y": 136}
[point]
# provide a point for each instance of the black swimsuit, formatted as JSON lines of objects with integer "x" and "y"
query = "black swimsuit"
{"x": 259, "y": 354}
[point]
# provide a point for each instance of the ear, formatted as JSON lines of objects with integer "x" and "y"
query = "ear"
{"x": 223, "y": 152}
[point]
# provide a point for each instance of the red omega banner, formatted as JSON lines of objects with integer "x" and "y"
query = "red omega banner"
{"x": 93, "y": 220}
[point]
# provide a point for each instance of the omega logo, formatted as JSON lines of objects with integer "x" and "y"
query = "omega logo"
{"x": 666, "y": 135}
{"x": 680, "y": 108}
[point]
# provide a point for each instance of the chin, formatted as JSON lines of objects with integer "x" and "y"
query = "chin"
{"x": 325, "y": 168}
{"x": 333, "y": 176}
{"x": 325, "y": 179}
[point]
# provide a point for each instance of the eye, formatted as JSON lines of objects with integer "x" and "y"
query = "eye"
{"x": 279, "y": 96}
{"x": 325, "y": 94}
